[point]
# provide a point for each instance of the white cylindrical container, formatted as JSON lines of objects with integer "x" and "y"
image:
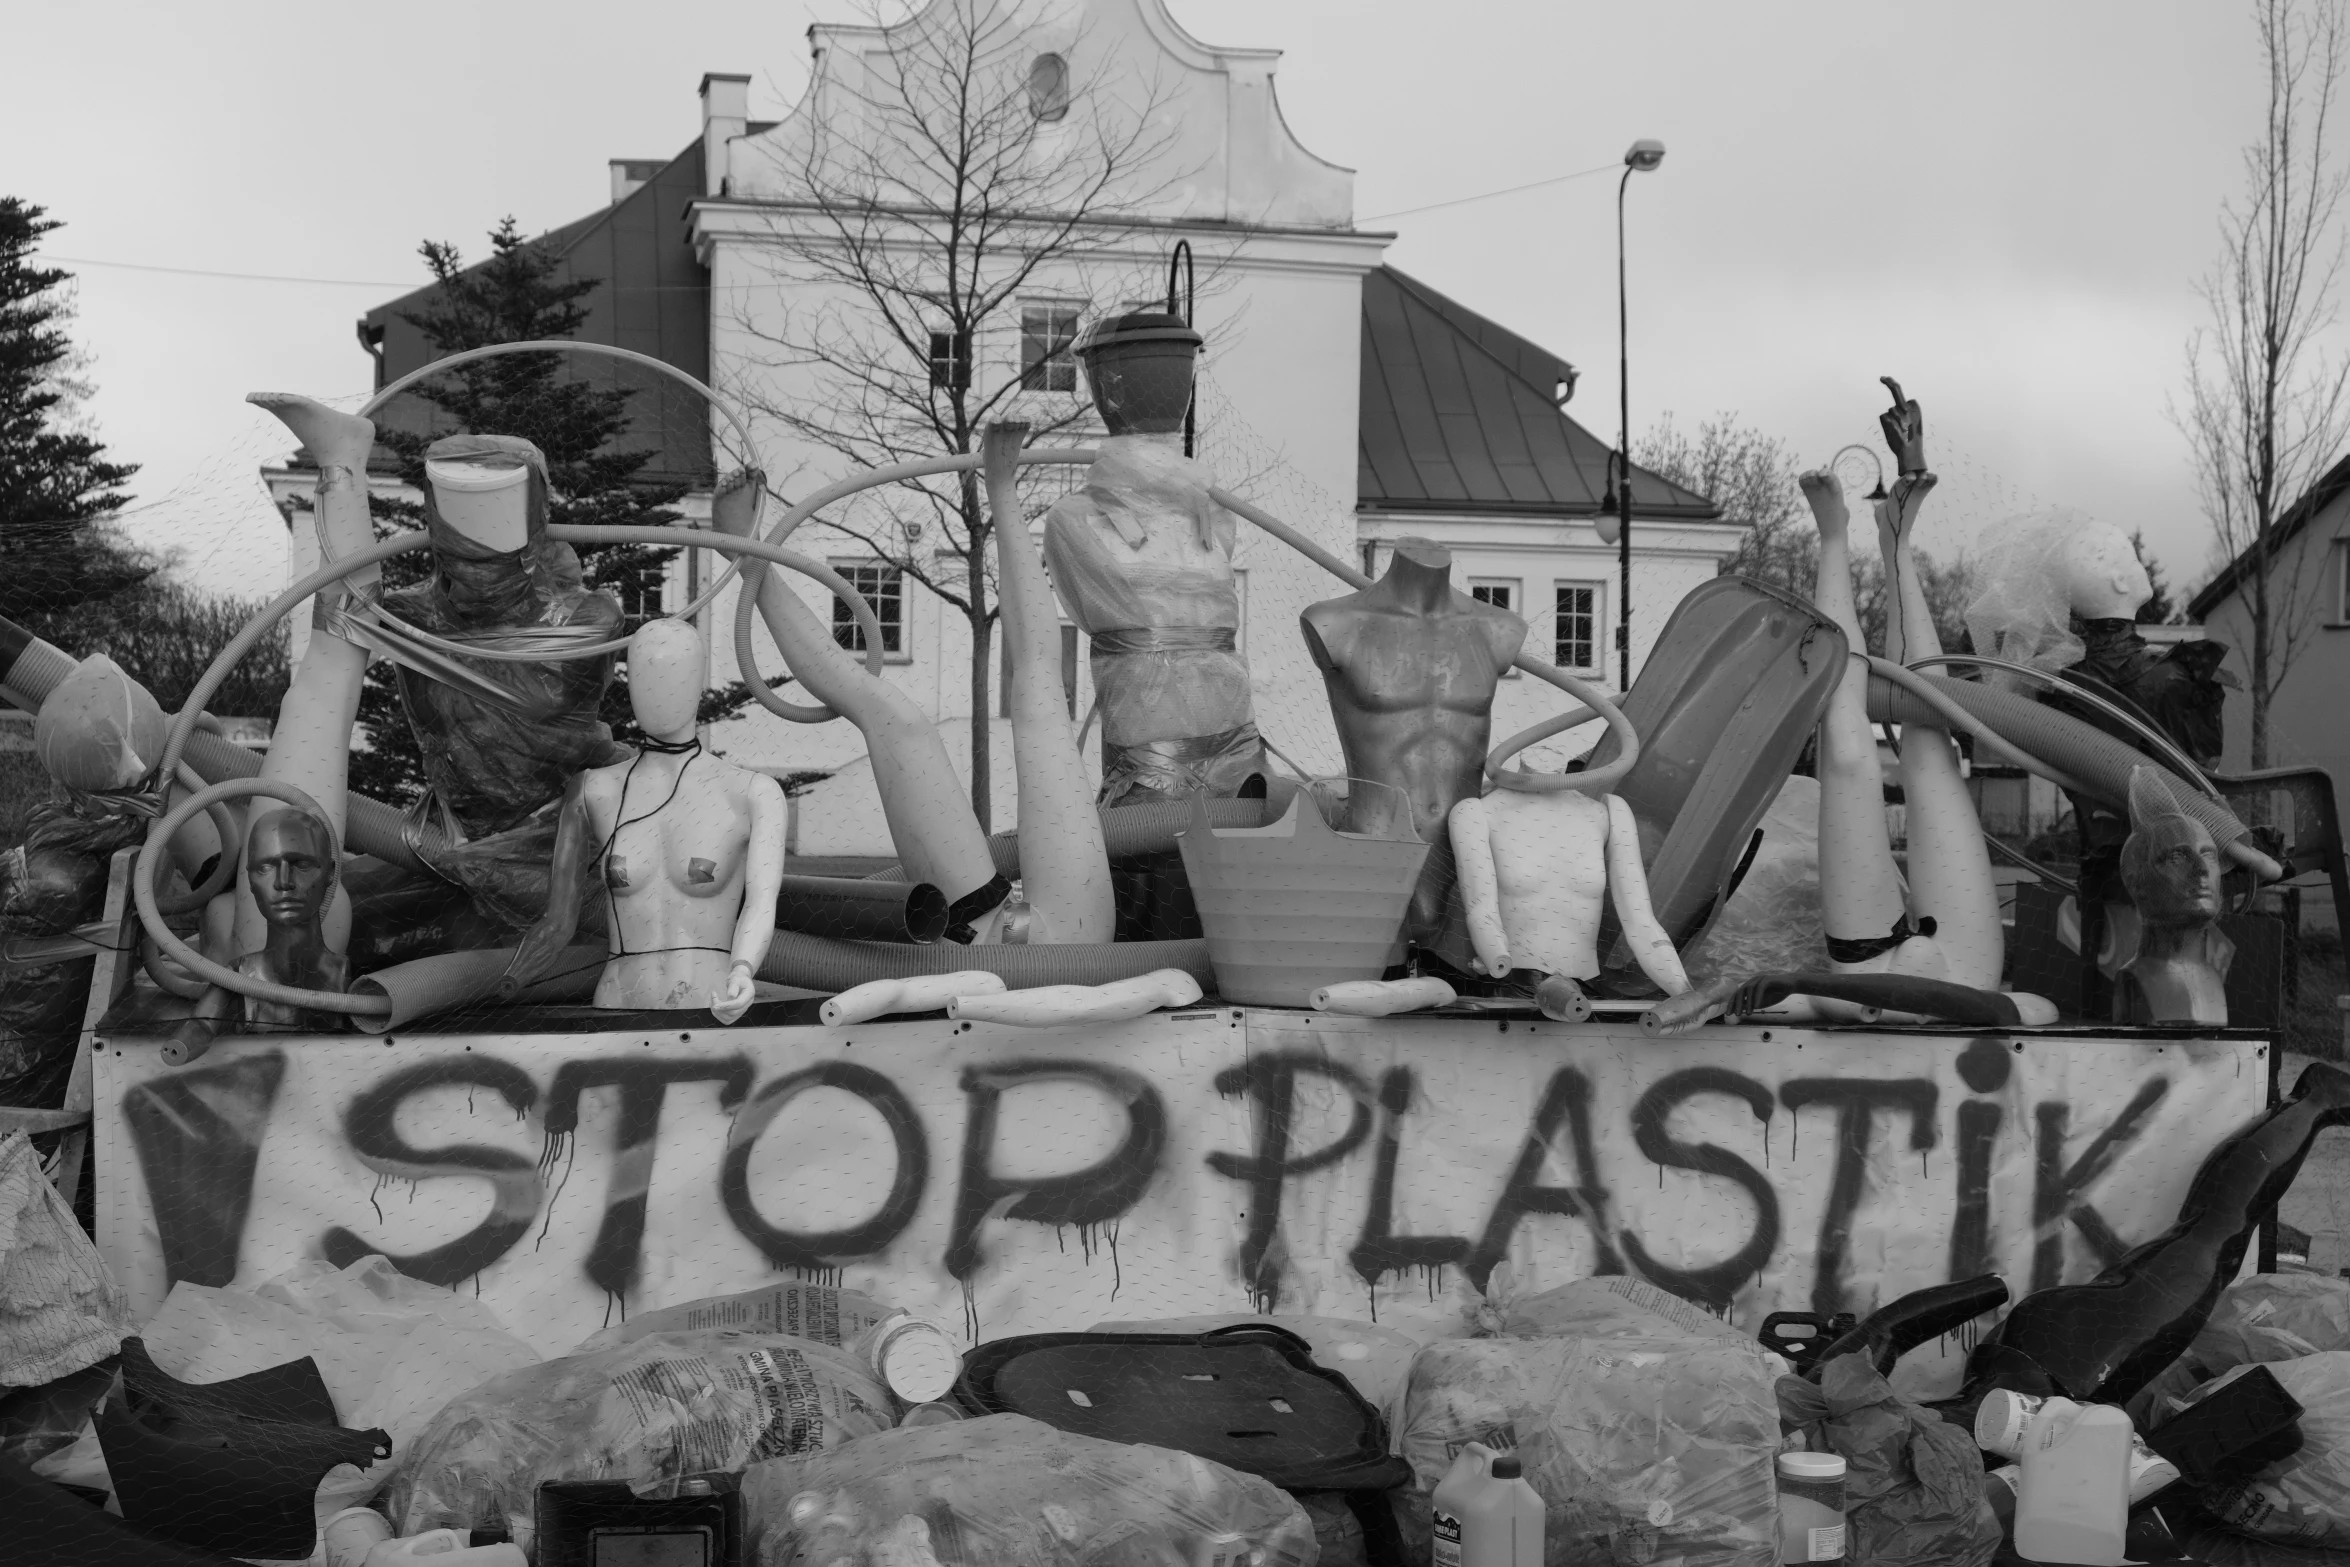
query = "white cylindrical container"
{"x": 915, "y": 1359}
{"x": 352, "y": 1533}
{"x": 2003, "y": 1417}
{"x": 1811, "y": 1507}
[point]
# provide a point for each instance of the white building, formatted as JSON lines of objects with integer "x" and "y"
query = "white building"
{"x": 1351, "y": 401}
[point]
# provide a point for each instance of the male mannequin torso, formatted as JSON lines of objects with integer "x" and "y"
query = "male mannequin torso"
{"x": 1411, "y": 666}
{"x": 1550, "y": 876}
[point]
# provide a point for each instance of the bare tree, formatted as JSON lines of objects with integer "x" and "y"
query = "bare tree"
{"x": 2266, "y": 408}
{"x": 940, "y": 180}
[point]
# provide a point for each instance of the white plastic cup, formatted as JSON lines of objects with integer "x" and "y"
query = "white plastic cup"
{"x": 352, "y": 1533}
{"x": 930, "y": 1415}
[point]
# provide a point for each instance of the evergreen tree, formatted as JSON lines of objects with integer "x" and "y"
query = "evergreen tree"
{"x": 515, "y": 296}
{"x": 56, "y": 486}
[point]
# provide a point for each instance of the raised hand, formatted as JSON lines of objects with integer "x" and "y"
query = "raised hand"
{"x": 1904, "y": 425}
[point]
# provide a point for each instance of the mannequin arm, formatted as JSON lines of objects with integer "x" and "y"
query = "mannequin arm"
{"x": 1651, "y": 948}
{"x": 1471, "y": 827}
{"x": 754, "y": 930}
{"x": 566, "y": 872}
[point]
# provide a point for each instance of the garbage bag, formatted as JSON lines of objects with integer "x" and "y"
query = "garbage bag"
{"x": 817, "y": 1311}
{"x": 1655, "y": 1451}
{"x": 2305, "y": 1499}
{"x": 1771, "y": 922}
{"x": 650, "y": 1413}
{"x": 2263, "y": 1318}
{"x": 60, "y": 1310}
{"x": 99, "y": 730}
{"x": 1007, "y": 1491}
{"x": 392, "y": 1349}
{"x": 1913, "y": 1485}
{"x": 1614, "y": 1307}
{"x": 1375, "y": 1359}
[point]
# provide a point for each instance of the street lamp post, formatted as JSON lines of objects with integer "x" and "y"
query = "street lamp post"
{"x": 1644, "y": 154}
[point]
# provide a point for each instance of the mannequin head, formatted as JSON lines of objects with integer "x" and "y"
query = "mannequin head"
{"x": 290, "y": 867}
{"x": 2102, "y": 573}
{"x": 99, "y": 729}
{"x": 2169, "y": 863}
{"x": 665, "y": 678}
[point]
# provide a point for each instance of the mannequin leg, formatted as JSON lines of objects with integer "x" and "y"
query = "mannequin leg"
{"x": 929, "y": 816}
{"x": 1860, "y": 895}
{"x": 311, "y": 746}
{"x": 1950, "y": 878}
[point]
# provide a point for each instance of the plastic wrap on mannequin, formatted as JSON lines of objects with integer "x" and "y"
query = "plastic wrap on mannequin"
{"x": 1142, "y": 559}
{"x": 1411, "y": 665}
{"x": 291, "y": 867}
{"x": 1950, "y": 878}
{"x": 687, "y": 850}
{"x": 2172, "y": 871}
{"x": 1861, "y": 905}
{"x": 1533, "y": 870}
{"x": 2105, "y": 1340}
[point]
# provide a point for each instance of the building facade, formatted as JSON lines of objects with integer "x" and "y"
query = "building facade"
{"x": 1356, "y": 403}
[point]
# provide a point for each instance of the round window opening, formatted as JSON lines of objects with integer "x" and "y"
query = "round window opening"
{"x": 1048, "y": 87}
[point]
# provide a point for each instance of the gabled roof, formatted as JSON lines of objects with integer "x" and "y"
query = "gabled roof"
{"x": 1458, "y": 417}
{"x": 652, "y": 295}
{"x": 2304, "y": 511}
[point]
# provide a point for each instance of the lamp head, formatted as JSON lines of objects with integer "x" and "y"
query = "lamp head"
{"x": 1645, "y": 154}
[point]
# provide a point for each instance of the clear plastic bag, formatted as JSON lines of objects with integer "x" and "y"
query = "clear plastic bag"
{"x": 1654, "y": 1451}
{"x": 1913, "y": 1488}
{"x": 650, "y": 1413}
{"x": 1007, "y": 1491}
{"x": 2264, "y": 1318}
{"x": 2022, "y": 611}
{"x": 60, "y": 1310}
{"x": 792, "y": 1308}
{"x": 2305, "y": 1500}
{"x": 1615, "y": 1307}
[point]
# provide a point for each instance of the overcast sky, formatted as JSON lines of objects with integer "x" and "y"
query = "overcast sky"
{"x": 2003, "y": 204}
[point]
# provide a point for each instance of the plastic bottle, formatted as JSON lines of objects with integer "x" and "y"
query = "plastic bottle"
{"x": 1485, "y": 1514}
{"x": 2004, "y": 1417}
{"x": 913, "y": 1357}
{"x": 352, "y": 1533}
{"x": 1811, "y": 1507}
{"x": 2074, "y": 1503}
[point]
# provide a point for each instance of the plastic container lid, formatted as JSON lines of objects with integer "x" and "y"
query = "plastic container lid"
{"x": 1811, "y": 1466}
{"x": 1507, "y": 1467}
{"x": 918, "y": 1361}
{"x": 2001, "y": 1419}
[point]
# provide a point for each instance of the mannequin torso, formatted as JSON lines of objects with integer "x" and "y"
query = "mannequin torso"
{"x": 1550, "y": 876}
{"x": 675, "y": 832}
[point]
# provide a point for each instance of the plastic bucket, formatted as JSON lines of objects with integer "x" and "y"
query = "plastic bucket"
{"x": 1295, "y": 906}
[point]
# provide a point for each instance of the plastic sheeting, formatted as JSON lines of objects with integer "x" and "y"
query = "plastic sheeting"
{"x": 2305, "y": 1499}
{"x": 2022, "y": 610}
{"x": 1771, "y": 922}
{"x": 1009, "y": 1489}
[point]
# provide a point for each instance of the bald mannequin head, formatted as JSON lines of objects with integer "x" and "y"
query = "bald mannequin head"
{"x": 2103, "y": 576}
{"x": 665, "y": 678}
{"x": 290, "y": 866}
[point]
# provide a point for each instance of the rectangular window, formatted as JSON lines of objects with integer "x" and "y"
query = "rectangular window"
{"x": 950, "y": 360}
{"x": 1500, "y": 592}
{"x": 1577, "y": 632}
{"x": 884, "y": 588}
{"x": 1047, "y": 334}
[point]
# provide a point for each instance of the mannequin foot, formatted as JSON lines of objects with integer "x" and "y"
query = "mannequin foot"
{"x": 734, "y": 508}
{"x": 1825, "y": 492}
{"x": 334, "y": 439}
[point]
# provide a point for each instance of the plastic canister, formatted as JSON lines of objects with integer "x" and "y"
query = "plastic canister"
{"x": 1484, "y": 1514}
{"x": 1811, "y": 1507}
{"x": 2074, "y": 1503}
{"x": 930, "y": 1415}
{"x": 913, "y": 1358}
{"x": 352, "y": 1533}
{"x": 446, "y": 1548}
{"x": 2003, "y": 1418}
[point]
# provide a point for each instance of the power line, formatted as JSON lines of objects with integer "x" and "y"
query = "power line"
{"x": 242, "y": 277}
{"x": 1459, "y": 201}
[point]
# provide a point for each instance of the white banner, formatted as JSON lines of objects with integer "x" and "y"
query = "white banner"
{"x": 1036, "y": 1180}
